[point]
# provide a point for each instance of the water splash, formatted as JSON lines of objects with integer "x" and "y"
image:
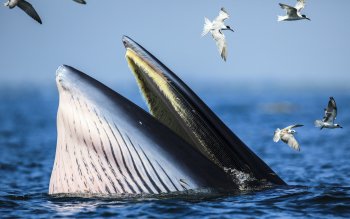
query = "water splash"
{"x": 242, "y": 179}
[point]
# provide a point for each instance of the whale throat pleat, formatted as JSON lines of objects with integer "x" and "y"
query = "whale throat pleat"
{"x": 94, "y": 156}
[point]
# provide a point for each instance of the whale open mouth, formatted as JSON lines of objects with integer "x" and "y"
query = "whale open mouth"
{"x": 175, "y": 105}
{"x": 161, "y": 95}
{"x": 107, "y": 145}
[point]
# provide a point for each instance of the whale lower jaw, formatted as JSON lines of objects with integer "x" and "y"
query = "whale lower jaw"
{"x": 107, "y": 145}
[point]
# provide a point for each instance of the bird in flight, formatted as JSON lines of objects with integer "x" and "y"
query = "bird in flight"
{"x": 330, "y": 115}
{"x": 293, "y": 13}
{"x": 216, "y": 27}
{"x": 80, "y": 1}
{"x": 25, "y": 6}
{"x": 287, "y": 136}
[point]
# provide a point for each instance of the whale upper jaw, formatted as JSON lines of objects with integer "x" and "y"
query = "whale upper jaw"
{"x": 174, "y": 104}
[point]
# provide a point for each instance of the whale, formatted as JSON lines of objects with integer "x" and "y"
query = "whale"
{"x": 107, "y": 145}
{"x": 175, "y": 105}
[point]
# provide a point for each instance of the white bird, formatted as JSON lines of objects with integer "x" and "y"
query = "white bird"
{"x": 25, "y": 6}
{"x": 80, "y": 1}
{"x": 287, "y": 136}
{"x": 215, "y": 28}
{"x": 293, "y": 13}
{"x": 330, "y": 115}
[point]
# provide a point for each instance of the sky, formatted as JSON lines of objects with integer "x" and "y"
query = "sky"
{"x": 262, "y": 53}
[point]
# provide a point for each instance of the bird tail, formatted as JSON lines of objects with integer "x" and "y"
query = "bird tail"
{"x": 277, "y": 136}
{"x": 207, "y": 26}
{"x": 319, "y": 124}
{"x": 280, "y": 18}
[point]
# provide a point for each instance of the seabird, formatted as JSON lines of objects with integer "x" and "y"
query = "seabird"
{"x": 330, "y": 115}
{"x": 25, "y": 6}
{"x": 293, "y": 13}
{"x": 215, "y": 28}
{"x": 287, "y": 136}
{"x": 80, "y": 1}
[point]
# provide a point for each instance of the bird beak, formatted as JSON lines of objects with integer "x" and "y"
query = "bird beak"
{"x": 308, "y": 19}
{"x": 228, "y": 28}
{"x": 340, "y": 127}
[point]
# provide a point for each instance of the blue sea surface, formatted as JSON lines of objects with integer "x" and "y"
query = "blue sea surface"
{"x": 317, "y": 177}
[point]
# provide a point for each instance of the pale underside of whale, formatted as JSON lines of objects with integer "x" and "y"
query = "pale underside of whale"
{"x": 107, "y": 145}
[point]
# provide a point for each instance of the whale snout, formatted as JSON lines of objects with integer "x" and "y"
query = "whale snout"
{"x": 128, "y": 43}
{"x": 63, "y": 76}
{"x": 60, "y": 72}
{"x": 72, "y": 80}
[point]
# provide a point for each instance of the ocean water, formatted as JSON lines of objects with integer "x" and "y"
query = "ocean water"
{"x": 317, "y": 177}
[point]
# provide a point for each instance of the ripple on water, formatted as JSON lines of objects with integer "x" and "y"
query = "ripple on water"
{"x": 27, "y": 151}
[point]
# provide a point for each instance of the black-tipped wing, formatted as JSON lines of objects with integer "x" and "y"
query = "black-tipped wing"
{"x": 331, "y": 111}
{"x": 289, "y": 9}
{"x": 80, "y": 1}
{"x": 223, "y": 15}
{"x": 29, "y": 9}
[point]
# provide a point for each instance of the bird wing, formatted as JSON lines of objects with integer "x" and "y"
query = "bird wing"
{"x": 277, "y": 135}
{"x": 300, "y": 5}
{"x": 293, "y": 126}
{"x": 223, "y": 15}
{"x": 29, "y": 9}
{"x": 289, "y": 9}
{"x": 220, "y": 43}
{"x": 331, "y": 111}
{"x": 80, "y": 1}
{"x": 291, "y": 141}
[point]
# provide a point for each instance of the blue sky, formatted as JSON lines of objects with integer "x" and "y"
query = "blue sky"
{"x": 261, "y": 53}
